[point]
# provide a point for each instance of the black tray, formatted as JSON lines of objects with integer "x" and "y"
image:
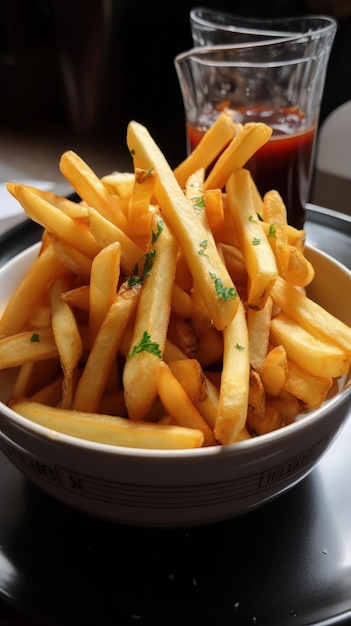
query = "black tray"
{"x": 287, "y": 563}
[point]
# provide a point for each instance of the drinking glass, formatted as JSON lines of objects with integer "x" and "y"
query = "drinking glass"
{"x": 277, "y": 78}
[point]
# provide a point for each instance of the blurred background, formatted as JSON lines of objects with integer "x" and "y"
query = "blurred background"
{"x": 73, "y": 73}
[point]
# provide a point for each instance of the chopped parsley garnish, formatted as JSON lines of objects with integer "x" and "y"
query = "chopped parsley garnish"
{"x": 223, "y": 293}
{"x": 198, "y": 202}
{"x": 256, "y": 241}
{"x": 149, "y": 257}
{"x": 239, "y": 346}
{"x": 135, "y": 280}
{"x": 35, "y": 338}
{"x": 145, "y": 344}
{"x": 272, "y": 231}
{"x": 203, "y": 246}
{"x": 155, "y": 236}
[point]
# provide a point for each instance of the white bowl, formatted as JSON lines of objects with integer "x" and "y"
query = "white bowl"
{"x": 170, "y": 488}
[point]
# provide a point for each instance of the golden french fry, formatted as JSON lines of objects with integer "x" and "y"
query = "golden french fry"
{"x": 66, "y": 333}
{"x": 104, "y": 277}
{"x": 182, "y": 334}
{"x": 190, "y": 375}
{"x": 244, "y": 144}
{"x": 311, "y": 316}
{"x": 107, "y": 429}
{"x": 258, "y": 256}
{"x": 105, "y": 233}
{"x": 315, "y": 355}
{"x": 139, "y": 213}
{"x": 91, "y": 189}
{"x": 178, "y": 404}
{"x": 71, "y": 258}
{"x": 93, "y": 381}
{"x": 274, "y": 370}
{"x": 272, "y": 420}
{"x": 293, "y": 265}
{"x": 208, "y": 406}
{"x": 288, "y": 406}
{"x": 211, "y": 145}
{"x": 79, "y": 297}
{"x": 41, "y": 210}
{"x": 273, "y": 208}
{"x": 215, "y": 211}
{"x": 119, "y": 183}
{"x": 21, "y": 304}
{"x": 234, "y": 390}
{"x": 257, "y": 395}
{"x": 311, "y": 389}
{"x": 196, "y": 241}
{"x": 29, "y": 345}
{"x": 258, "y": 324}
{"x": 140, "y": 372}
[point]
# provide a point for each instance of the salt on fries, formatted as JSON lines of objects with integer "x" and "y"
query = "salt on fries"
{"x": 167, "y": 309}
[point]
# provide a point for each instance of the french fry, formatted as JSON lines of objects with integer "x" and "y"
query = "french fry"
{"x": 311, "y": 316}
{"x": 258, "y": 256}
{"x": 201, "y": 254}
{"x": 215, "y": 211}
{"x": 93, "y": 381}
{"x": 258, "y": 324}
{"x": 234, "y": 390}
{"x": 119, "y": 184}
{"x": 139, "y": 213}
{"x": 311, "y": 389}
{"x": 190, "y": 375}
{"x": 67, "y": 336}
{"x": 208, "y": 407}
{"x": 293, "y": 265}
{"x": 274, "y": 209}
{"x": 105, "y": 233}
{"x": 79, "y": 297}
{"x": 318, "y": 357}
{"x": 29, "y": 345}
{"x": 91, "y": 189}
{"x": 243, "y": 145}
{"x": 182, "y": 334}
{"x": 272, "y": 420}
{"x": 72, "y": 259}
{"x": 21, "y": 304}
{"x": 104, "y": 277}
{"x": 41, "y": 210}
{"x": 208, "y": 149}
{"x": 140, "y": 373}
{"x": 178, "y": 404}
{"x": 116, "y": 431}
{"x": 274, "y": 370}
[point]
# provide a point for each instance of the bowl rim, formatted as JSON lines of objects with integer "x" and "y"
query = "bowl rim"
{"x": 237, "y": 448}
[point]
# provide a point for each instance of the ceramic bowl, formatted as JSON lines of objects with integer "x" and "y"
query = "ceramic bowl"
{"x": 176, "y": 488}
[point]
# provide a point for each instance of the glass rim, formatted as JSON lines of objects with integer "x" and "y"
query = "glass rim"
{"x": 207, "y": 53}
{"x": 253, "y": 25}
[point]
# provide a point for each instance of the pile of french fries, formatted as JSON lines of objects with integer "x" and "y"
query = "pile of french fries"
{"x": 167, "y": 309}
